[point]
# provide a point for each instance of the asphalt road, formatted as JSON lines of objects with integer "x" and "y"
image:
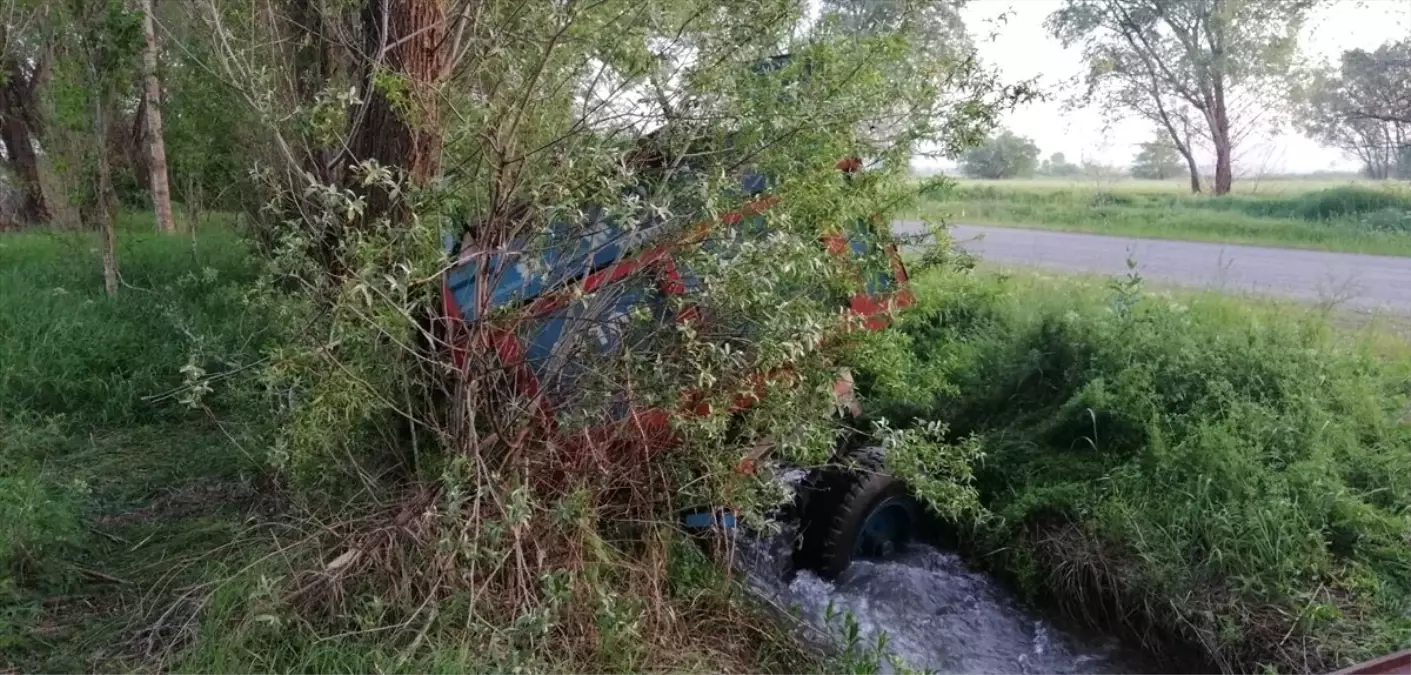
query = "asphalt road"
{"x": 1364, "y": 282}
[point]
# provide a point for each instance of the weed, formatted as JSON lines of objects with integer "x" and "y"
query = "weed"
{"x": 1192, "y": 469}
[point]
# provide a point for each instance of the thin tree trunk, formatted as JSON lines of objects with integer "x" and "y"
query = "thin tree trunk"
{"x": 1194, "y": 171}
{"x": 409, "y": 140}
{"x": 1183, "y": 146}
{"x": 1220, "y": 137}
{"x": 157, "y": 162}
{"x": 104, "y": 202}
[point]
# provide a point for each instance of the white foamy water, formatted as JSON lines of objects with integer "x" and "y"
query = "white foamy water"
{"x": 938, "y": 614}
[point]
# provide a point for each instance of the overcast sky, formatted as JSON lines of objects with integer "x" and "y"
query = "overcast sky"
{"x": 1021, "y": 49}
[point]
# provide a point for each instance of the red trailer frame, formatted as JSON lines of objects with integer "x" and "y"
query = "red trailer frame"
{"x": 649, "y": 429}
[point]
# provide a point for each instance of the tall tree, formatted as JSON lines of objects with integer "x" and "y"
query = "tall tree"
{"x": 152, "y": 111}
{"x": 25, "y": 62}
{"x": 1058, "y": 165}
{"x": 1157, "y": 160}
{"x": 398, "y": 127}
{"x": 1363, "y": 108}
{"x": 108, "y": 39}
{"x": 1174, "y": 61}
{"x": 1004, "y": 156}
{"x": 936, "y": 27}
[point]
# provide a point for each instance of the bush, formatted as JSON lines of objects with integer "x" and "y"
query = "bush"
{"x": 1205, "y": 474}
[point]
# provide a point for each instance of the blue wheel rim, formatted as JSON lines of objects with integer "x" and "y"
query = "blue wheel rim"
{"x": 886, "y": 529}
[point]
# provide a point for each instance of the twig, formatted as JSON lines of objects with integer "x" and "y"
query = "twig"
{"x": 110, "y": 537}
{"x": 103, "y": 576}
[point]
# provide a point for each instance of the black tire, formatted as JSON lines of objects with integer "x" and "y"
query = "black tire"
{"x": 840, "y": 505}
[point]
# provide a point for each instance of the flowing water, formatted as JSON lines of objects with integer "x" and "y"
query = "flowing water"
{"x": 938, "y": 614}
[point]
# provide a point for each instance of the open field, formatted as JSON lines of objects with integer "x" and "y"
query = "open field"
{"x": 1275, "y": 186}
{"x": 1351, "y": 216}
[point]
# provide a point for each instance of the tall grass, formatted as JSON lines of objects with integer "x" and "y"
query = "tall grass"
{"x": 101, "y": 478}
{"x": 69, "y": 350}
{"x": 1212, "y": 477}
{"x": 1366, "y": 218}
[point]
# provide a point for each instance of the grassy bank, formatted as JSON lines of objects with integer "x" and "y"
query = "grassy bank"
{"x": 112, "y": 505}
{"x": 1213, "y": 477}
{"x": 1361, "y": 218}
{"x": 141, "y": 527}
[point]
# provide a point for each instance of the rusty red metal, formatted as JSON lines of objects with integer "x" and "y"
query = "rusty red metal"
{"x": 643, "y": 430}
{"x": 1398, "y": 663}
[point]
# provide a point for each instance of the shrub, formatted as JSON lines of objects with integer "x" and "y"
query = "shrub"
{"x": 1345, "y": 204}
{"x": 1203, "y": 473}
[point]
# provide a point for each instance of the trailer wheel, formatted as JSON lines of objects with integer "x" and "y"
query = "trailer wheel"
{"x": 858, "y": 513}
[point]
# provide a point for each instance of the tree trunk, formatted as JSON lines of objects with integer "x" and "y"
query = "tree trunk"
{"x": 19, "y": 136}
{"x": 157, "y": 149}
{"x": 21, "y": 126}
{"x": 314, "y": 66}
{"x": 1194, "y": 171}
{"x": 1224, "y": 173}
{"x": 404, "y": 136}
{"x": 1220, "y": 137}
{"x": 19, "y": 146}
{"x": 105, "y": 198}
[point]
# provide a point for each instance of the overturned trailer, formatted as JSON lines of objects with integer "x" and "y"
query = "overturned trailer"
{"x": 544, "y": 308}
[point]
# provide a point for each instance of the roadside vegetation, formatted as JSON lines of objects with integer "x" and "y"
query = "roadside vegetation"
{"x": 1359, "y": 217}
{"x": 142, "y": 528}
{"x": 267, "y": 442}
{"x": 1222, "y": 480}
{"x": 116, "y": 499}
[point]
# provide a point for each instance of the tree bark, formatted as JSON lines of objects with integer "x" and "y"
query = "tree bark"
{"x": 105, "y": 198}
{"x": 156, "y": 146}
{"x": 407, "y": 39}
{"x": 314, "y": 66}
{"x": 19, "y": 136}
{"x": 19, "y": 146}
{"x": 1194, "y": 171}
{"x": 1224, "y": 171}
{"x": 1220, "y": 138}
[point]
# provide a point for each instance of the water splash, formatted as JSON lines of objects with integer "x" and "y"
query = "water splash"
{"x": 938, "y": 614}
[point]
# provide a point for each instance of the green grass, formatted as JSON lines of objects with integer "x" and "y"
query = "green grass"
{"x": 69, "y": 350}
{"x": 1274, "y": 186}
{"x": 110, "y": 504}
{"x": 1361, "y": 217}
{"x": 1225, "y": 479}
